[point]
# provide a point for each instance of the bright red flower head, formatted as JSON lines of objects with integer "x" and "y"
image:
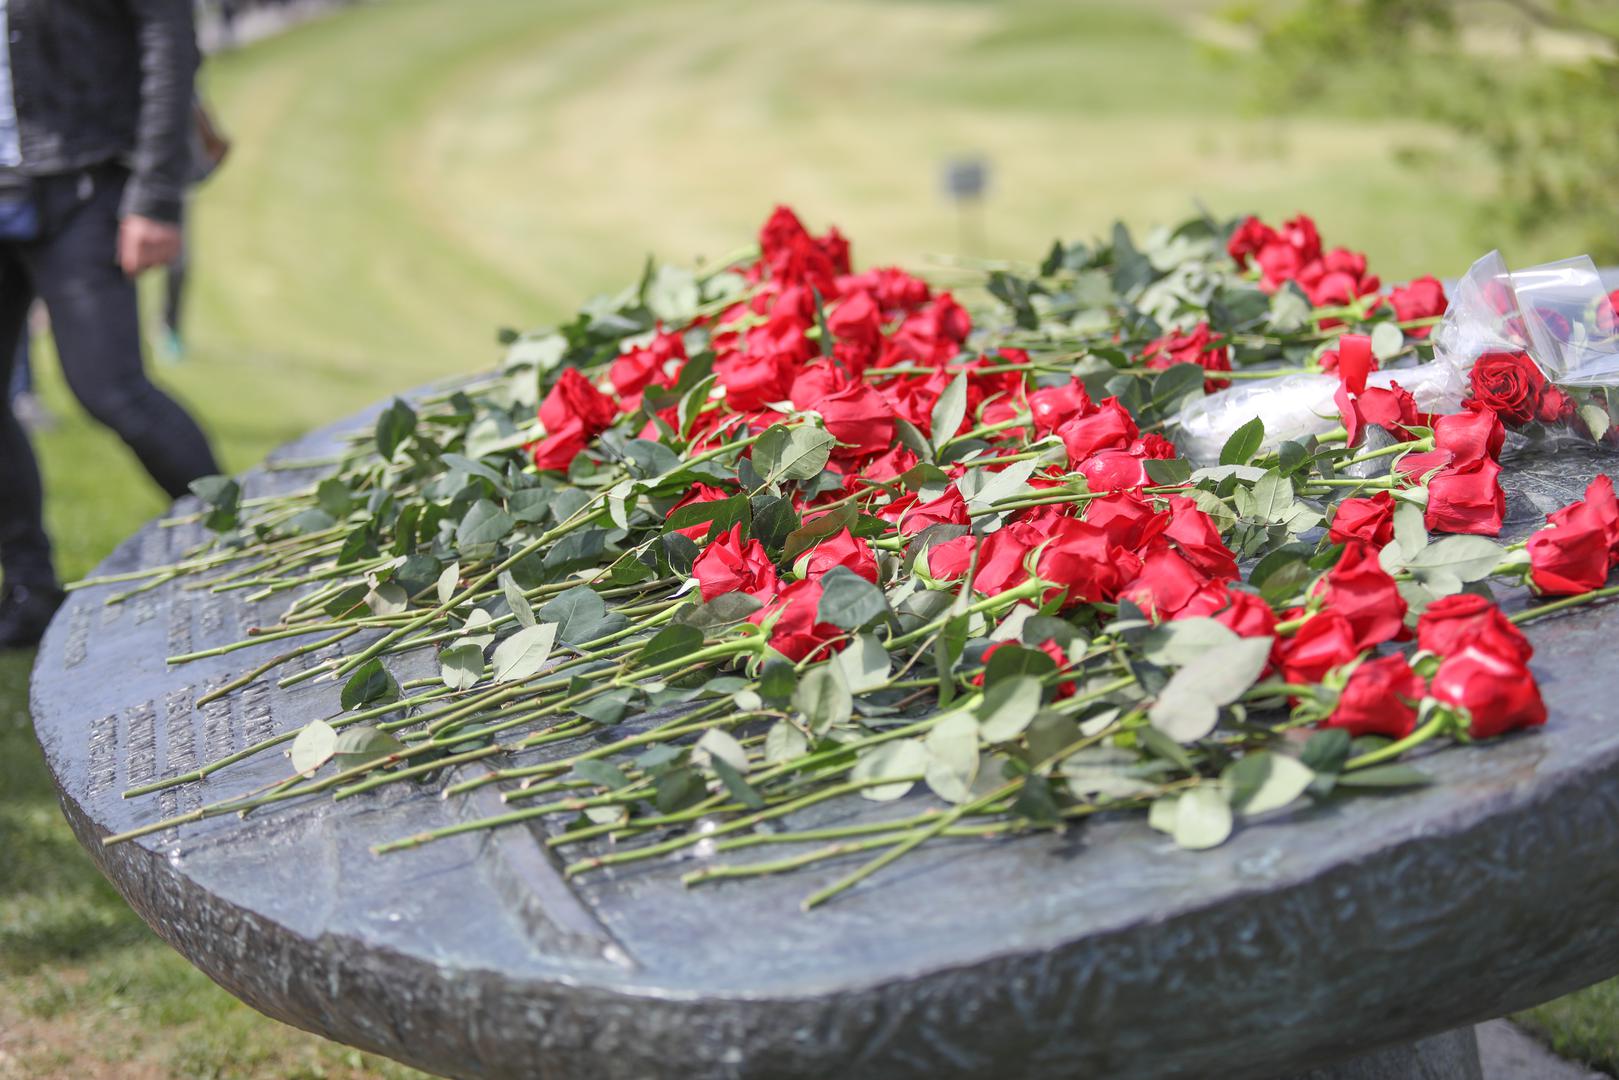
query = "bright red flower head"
{"x": 1422, "y": 299}
{"x": 1128, "y": 520}
{"x": 728, "y": 565}
{"x": 1571, "y": 555}
{"x": 1325, "y": 641}
{"x": 1198, "y": 539}
{"x": 1378, "y": 699}
{"x": 1109, "y": 427}
{"x": 1453, "y": 623}
{"x": 1249, "y": 239}
{"x": 1467, "y": 500}
{"x": 574, "y": 412}
{"x": 1499, "y": 693}
{"x": 1079, "y": 557}
{"x": 1470, "y": 436}
{"x": 841, "y": 549}
{"x": 798, "y": 631}
{"x": 1167, "y": 583}
{"x": 1198, "y": 346}
{"x": 1364, "y": 521}
{"x": 1056, "y": 405}
{"x": 1361, "y": 591}
{"x": 655, "y": 363}
{"x": 1508, "y": 384}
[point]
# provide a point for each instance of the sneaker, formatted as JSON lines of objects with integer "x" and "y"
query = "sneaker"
{"x": 25, "y": 611}
{"x": 31, "y": 412}
{"x": 171, "y": 349}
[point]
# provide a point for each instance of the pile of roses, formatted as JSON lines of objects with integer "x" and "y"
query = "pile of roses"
{"x": 868, "y": 352}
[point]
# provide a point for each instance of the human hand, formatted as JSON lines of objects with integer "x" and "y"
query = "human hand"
{"x": 144, "y": 243}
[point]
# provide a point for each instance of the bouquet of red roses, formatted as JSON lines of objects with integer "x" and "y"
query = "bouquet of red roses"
{"x": 738, "y": 549}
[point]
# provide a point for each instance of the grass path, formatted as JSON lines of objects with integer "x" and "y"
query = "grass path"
{"x": 412, "y": 174}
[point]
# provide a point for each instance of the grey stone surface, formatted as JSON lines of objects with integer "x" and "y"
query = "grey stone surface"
{"x": 1510, "y": 1053}
{"x": 1337, "y": 931}
{"x": 1450, "y": 1055}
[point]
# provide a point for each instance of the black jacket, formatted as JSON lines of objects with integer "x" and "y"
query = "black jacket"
{"x": 98, "y": 81}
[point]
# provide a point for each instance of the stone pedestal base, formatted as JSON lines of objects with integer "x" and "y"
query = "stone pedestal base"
{"x": 1452, "y": 1055}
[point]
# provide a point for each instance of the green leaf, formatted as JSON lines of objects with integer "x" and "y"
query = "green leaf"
{"x": 524, "y": 653}
{"x": 1597, "y": 420}
{"x": 1183, "y": 641}
{"x": 1326, "y": 751}
{"x": 461, "y": 666}
{"x": 1385, "y": 776}
{"x": 1244, "y": 443}
{"x": 309, "y": 521}
{"x": 1272, "y": 497}
{"x": 865, "y": 664}
{"x": 608, "y": 707}
{"x": 1387, "y": 341}
{"x": 720, "y": 514}
{"x": 522, "y": 611}
{"x": 1202, "y": 818}
{"x": 1467, "y": 558}
{"x": 1174, "y": 383}
{"x": 806, "y": 536}
{"x": 602, "y": 773}
{"x": 447, "y": 582}
{"x": 672, "y": 643}
{"x": 358, "y": 745}
{"x": 774, "y": 520}
{"x": 952, "y": 748}
{"x": 395, "y": 424}
{"x": 1264, "y": 781}
{"x": 722, "y": 745}
{"x": 387, "y": 599}
{"x": 903, "y": 759}
{"x": 784, "y": 453}
{"x": 1008, "y": 707}
{"x": 1011, "y": 661}
{"x": 484, "y": 526}
{"x": 371, "y": 684}
{"x": 949, "y": 410}
{"x": 1188, "y": 706}
{"x": 849, "y": 601}
{"x": 783, "y": 743}
{"x": 823, "y": 698}
{"x": 576, "y": 613}
{"x": 1168, "y": 470}
{"x": 313, "y": 747}
{"x": 778, "y": 681}
{"x": 335, "y": 498}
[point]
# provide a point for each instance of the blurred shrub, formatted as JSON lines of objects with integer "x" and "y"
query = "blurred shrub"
{"x": 1533, "y": 82}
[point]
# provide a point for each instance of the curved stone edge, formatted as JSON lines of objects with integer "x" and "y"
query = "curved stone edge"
{"x": 1124, "y": 1005}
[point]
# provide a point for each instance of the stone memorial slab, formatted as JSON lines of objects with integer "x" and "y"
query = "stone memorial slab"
{"x": 1352, "y": 928}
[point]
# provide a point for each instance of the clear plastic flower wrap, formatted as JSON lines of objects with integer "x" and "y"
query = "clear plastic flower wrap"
{"x": 1539, "y": 346}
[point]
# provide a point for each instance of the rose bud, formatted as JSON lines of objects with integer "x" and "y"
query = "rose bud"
{"x": 1378, "y": 699}
{"x": 1452, "y": 623}
{"x": 1499, "y": 694}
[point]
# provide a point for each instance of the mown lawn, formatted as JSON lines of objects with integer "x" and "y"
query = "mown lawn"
{"x": 411, "y": 175}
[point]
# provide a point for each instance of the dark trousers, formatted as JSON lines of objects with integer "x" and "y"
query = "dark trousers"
{"x": 72, "y": 267}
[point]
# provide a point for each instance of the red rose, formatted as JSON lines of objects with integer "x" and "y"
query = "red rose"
{"x": 948, "y": 509}
{"x": 1001, "y": 556}
{"x": 949, "y": 560}
{"x": 1325, "y": 641}
{"x": 1339, "y": 278}
{"x": 1199, "y": 347}
{"x": 1499, "y": 693}
{"x": 1249, "y": 237}
{"x": 729, "y": 566}
{"x": 858, "y": 417}
{"x": 1198, "y": 539}
{"x": 841, "y": 549}
{"x": 1246, "y": 615}
{"x": 1110, "y": 427}
{"x": 857, "y": 326}
{"x": 1421, "y": 299}
{"x": 1452, "y": 623}
{"x": 1078, "y": 557}
{"x": 1470, "y": 437}
{"x": 1362, "y": 592}
{"x": 1508, "y": 384}
{"x": 752, "y": 380}
{"x": 1466, "y": 500}
{"x": 1300, "y": 233}
{"x": 654, "y": 363}
{"x": 1167, "y": 583}
{"x": 1114, "y": 470}
{"x": 1050, "y": 648}
{"x": 1599, "y": 503}
{"x": 1128, "y": 520}
{"x": 1352, "y": 362}
{"x": 1055, "y": 405}
{"x": 1554, "y": 406}
{"x": 890, "y": 464}
{"x": 574, "y": 412}
{"x": 1365, "y": 521}
{"x": 573, "y": 398}
{"x": 1393, "y": 409}
{"x": 1570, "y": 556}
{"x": 1378, "y": 699}
{"x": 798, "y": 631}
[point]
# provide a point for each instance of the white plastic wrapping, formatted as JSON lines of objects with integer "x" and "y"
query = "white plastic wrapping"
{"x": 1558, "y": 313}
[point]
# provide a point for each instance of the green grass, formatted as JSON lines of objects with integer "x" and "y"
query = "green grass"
{"x": 410, "y": 175}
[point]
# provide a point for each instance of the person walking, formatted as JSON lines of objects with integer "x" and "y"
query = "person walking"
{"x": 95, "y": 118}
